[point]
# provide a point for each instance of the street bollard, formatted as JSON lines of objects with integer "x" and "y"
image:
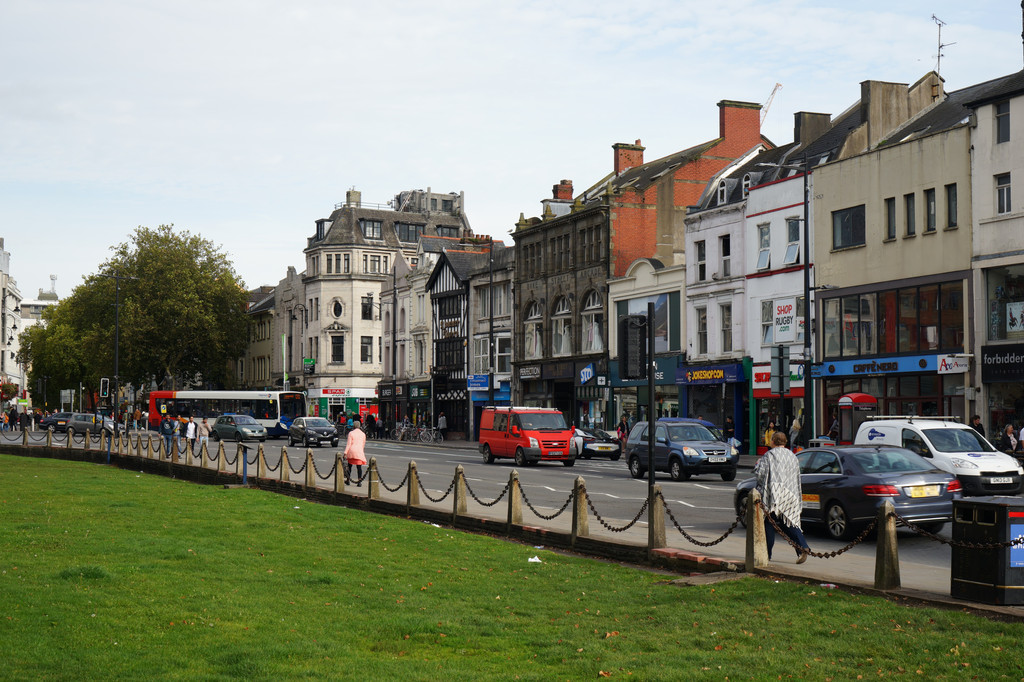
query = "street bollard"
{"x": 757, "y": 544}
{"x": 284, "y": 464}
{"x": 459, "y": 505}
{"x": 374, "y": 492}
{"x": 580, "y": 527}
{"x": 310, "y": 481}
{"x": 412, "y": 495}
{"x": 887, "y": 554}
{"x": 515, "y": 501}
{"x": 657, "y": 536}
{"x": 261, "y": 463}
{"x": 339, "y": 473}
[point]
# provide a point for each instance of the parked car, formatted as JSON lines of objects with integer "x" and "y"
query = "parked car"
{"x": 237, "y": 427}
{"x": 683, "y": 448}
{"x": 950, "y": 446}
{"x": 843, "y": 487}
{"x": 58, "y": 421}
{"x": 81, "y": 423}
{"x": 530, "y": 434}
{"x": 599, "y": 443}
{"x": 312, "y": 431}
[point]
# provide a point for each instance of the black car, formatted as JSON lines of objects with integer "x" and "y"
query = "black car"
{"x": 844, "y": 486}
{"x": 599, "y": 443}
{"x": 312, "y": 431}
{"x": 58, "y": 421}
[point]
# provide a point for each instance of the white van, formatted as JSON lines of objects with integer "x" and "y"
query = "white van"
{"x": 950, "y": 446}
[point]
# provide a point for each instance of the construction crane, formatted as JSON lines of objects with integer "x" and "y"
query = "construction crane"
{"x": 764, "y": 109}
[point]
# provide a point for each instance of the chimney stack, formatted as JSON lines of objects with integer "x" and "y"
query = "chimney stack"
{"x": 562, "y": 191}
{"x": 627, "y": 156}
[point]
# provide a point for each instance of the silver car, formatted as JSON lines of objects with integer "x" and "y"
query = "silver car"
{"x": 238, "y": 427}
{"x": 80, "y": 422}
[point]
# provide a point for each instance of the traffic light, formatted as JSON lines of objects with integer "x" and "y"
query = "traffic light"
{"x": 104, "y": 387}
{"x": 633, "y": 347}
{"x": 780, "y": 370}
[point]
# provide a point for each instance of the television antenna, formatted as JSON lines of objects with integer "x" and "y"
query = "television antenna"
{"x": 938, "y": 57}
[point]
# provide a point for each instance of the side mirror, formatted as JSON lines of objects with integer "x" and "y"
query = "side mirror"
{"x": 514, "y": 430}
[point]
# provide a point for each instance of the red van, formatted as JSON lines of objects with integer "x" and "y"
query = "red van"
{"x": 530, "y": 434}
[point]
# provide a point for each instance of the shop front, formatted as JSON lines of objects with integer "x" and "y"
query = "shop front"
{"x": 480, "y": 395}
{"x": 714, "y": 392}
{"x": 333, "y": 402}
{"x": 548, "y": 384}
{"x": 919, "y": 385}
{"x": 394, "y": 405}
{"x": 1002, "y": 379}
{"x": 451, "y": 397}
{"x": 630, "y": 398}
{"x": 419, "y": 402}
{"x": 779, "y": 410}
{"x": 592, "y": 395}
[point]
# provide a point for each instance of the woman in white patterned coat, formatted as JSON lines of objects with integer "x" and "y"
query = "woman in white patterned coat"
{"x": 778, "y": 481}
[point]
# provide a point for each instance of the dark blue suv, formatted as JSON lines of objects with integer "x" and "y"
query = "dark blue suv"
{"x": 683, "y": 448}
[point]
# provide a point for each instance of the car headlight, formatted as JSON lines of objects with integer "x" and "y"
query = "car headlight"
{"x": 534, "y": 443}
{"x": 960, "y": 463}
{"x": 690, "y": 452}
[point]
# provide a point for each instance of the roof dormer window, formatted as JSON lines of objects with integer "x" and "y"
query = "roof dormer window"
{"x": 746, "y": 185}
{"x": 722, "y": 192}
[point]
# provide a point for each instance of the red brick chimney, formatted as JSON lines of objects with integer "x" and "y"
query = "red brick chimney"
{"x": 627, "y": 156}
{"x": 740, "y": 123}
{"x": 562, "y": 191}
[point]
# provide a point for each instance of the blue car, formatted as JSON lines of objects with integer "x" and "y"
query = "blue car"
{"x": 682, "y": 448}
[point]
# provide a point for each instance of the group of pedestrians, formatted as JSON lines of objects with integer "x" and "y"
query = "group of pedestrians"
{"x": 176, "y": 432}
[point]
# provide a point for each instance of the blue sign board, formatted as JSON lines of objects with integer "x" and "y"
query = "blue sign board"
{"x": 478, "y": 382}
{"x": 901, "y": 364}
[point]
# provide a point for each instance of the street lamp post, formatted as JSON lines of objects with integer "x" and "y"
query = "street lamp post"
{"x": 302, "y": 321}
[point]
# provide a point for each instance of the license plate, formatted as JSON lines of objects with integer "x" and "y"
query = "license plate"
{"x": 555, "y": 453}
{"x": 924, "y": 491}
{"x": 1001, "y": 479}
{"x": 601, "y": 448}
{"x": 716, "y": 460}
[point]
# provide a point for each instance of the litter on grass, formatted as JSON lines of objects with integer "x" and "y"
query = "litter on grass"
{"x": 535, "y": 560}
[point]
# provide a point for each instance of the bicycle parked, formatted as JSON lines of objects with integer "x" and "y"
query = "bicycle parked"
{"x": 431, "y": 435}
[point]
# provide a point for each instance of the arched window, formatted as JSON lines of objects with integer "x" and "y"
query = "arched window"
{"x": 561, "y": 328}
{"x": 722, "y": 192}
{"x": 593, "y": 323}
{"x": 532, "y": 348}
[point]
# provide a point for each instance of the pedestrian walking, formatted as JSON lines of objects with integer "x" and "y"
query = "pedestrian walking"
{"x": 442, "y": 425}
{"x": 136, "y": 416}
{"x": 167, "y": 430}
{"x": 355, "y": 454}
{"x": 976, "y": 424}
{"x": 203, "y": 430}
{"x": 623, "y": 433}
{"x": 1008, "y": 442}
{"x": 778, "y": 481}
{"x": 371, "y": 426}
{"x": 794, "y": 434}
{"x": 191, "y": 432}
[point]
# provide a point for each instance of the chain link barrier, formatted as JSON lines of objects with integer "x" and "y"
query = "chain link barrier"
{"x": 819, "y": 555}
{"x": 451, "y": 487}
{"x": 300, "y": 469}
{"x": 616, "y": 529}
{"x": 316, "y": 471}
{"x": 230, "y": 462}
{"x": 383, "y": 484}
{"x": 14, "y": 435}
{"x": 534, "y": 509}
{"x": 1016, "y": 542}
{"x": 504, "y": 491}
{"x": 690, "y": 538}
{"x": 271, "y": 469}
{"x": 38, "y": 439}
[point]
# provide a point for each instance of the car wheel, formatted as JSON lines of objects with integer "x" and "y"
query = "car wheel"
{"x": 305, "y": 442}
{"x": 291, "y": 441}
{"x": 238, "y": 436}
{"x": 837, "y": 522}
{"x": 635, "y": 470}
{"x": 741, "y": 507}
{"x": 729, "y": 475}
{"x": 587, "y": 455}
{"x": 488, "y": 457}
{"x": 676, "y": 471}
{"x": 569, "y": 462}
{"x": 334, "y": 443}
{"x": 215, "y": 436}
{"x": 520, "y": 457}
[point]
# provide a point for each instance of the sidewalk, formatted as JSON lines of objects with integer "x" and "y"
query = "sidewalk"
{"x": 855, "y": 569}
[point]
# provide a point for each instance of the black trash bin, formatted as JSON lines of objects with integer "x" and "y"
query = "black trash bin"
{"x": 989, "y": 576}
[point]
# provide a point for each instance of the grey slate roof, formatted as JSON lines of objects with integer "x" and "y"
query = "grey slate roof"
{"x": 996, "y": 89}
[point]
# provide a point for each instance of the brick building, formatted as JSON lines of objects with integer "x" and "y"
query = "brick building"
{"x": 566, "y": 256}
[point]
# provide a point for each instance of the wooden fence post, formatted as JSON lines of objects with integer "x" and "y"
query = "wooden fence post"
{"x": 515, "y": 502}
{"x": 887, "y": 554}
{"x": 757, "y": 547}
{"x": 580, "y": 526}
{"x": 284, "y": 464}
{"x": 657, "y": 536}
{"x": 412, "y": 495}
{"x": 374, "y": 491}
{"x": 339, "y": 473}
{"x": 459, "y": 505}
{"x": 310, "y": 478}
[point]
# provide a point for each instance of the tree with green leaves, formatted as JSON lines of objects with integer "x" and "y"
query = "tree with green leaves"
{"x": 181, "y": 317}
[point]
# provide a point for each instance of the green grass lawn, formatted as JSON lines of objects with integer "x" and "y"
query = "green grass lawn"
{"x": 107, "y": 573}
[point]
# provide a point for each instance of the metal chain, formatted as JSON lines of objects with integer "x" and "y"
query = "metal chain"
{"x": 820, "y": 555}
{"x": 381, "y": 481}
{"x": 39, "y": 439}
{"x": 448, "y": 492}
{"x": 229, "y": 462}
{"x": 271, "y": 469}
{"x": 316, "y": 471}
{"x": 534, "y": 509}
{"x": 300, "y": 469}
{"x": 487, "y": 504}
{"x": 1016, "y": 542}
{"x": 618, "y": 529}
{"x": 689, "y": 537}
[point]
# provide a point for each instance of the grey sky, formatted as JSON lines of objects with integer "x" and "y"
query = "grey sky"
{"x": 246, "y": 121}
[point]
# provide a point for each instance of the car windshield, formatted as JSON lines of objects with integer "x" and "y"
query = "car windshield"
{"x": 684, "y": 432}
{"x": 246, "y": 420}
{"x": 888, "y": 461}
{"x": 957, "y": 440}
{"x": 319, "y": 422}
{"x": 540, "y": 421}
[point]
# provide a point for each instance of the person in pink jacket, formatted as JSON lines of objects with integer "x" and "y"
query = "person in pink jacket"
{"x": 355, "y": 453}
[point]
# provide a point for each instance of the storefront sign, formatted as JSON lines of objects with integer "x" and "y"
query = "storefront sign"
{"x": 876, "y": 366}
{"x": 763, "y": 379}
{"x": 784, "y": 323}
{"x": 529, "y": 372}
{"x": 664, "y": 373}
{"x": 953, "y": 364}
{"x": 479, "y": 382}
{"x": 1002, "y": 363}
{"x": 419, "y": 392}
{"x": 557, "y": 370}
{"x": 586, "y": 374}
{"x": 385, "y": 392}
{"x": 710, "y": 374}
